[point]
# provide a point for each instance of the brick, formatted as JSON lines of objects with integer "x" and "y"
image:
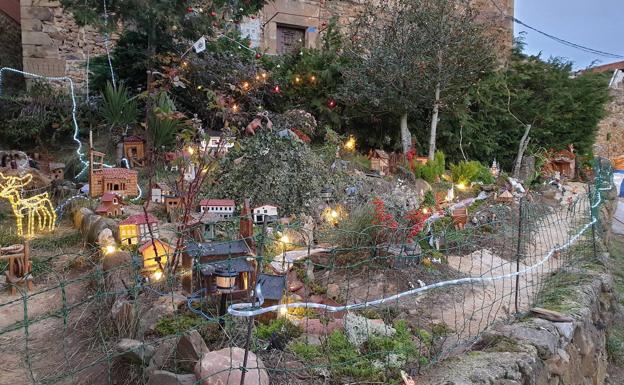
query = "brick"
{"x": 37, "y": 51}
{"x": 46, "y": 67}
{"x": 36, "y": 38}
{"x": 33, "y": 25}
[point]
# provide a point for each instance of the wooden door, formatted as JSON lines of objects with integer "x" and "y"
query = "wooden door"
{"x": 289, "y": 39}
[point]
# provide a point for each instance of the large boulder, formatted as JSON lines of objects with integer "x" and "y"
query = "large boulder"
{"x": 163, "y": 355}
{"x": 163, "y": 377}
{"x": 164, "y": 305}
{"x": 124, "y": 315}
{"x": 97, "y": 227}
{"x": 80, "y": 215}
{"x": 222, "y": 367}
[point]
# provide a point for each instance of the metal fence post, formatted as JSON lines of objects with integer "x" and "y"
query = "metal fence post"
{"x": 518, "y": 251}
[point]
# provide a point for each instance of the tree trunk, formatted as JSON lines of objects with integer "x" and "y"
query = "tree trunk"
{"x": 434, "y": 123}
{"x": 524, "y": 142}
{"x": 406, "y": 136}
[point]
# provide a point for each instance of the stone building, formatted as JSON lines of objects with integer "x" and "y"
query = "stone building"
{"x": 53, "y": 44}
{"x": 287, "y": 25}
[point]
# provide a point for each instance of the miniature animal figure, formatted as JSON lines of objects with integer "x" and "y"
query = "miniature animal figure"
{"x": 37, "y": 209}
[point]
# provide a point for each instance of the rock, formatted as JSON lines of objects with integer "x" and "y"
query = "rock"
{"x": 295, "y": 285}
{"x": 162, "y": 377}
{"x": 544, "y": 340}
{"x": 80, "y": 215}
{"x": 101, "y": 224}
{"x": 566, "y": 329}
{"x": 163, "y": 354}
{"x": 359, "y": 329}
{"x": 222, "y": 367}
{"x": 135, "y": 351}
{"x": 316, "y": 327}
{"x": 165, "y": 305}
{"x": 333, "y": 290}
{"x": 559, "y": 364}
{"x": 87, "y": 223}
{"x": 421, "y": 187}
{"x": 191, "y": 347}
{"x": 105, "y": 238}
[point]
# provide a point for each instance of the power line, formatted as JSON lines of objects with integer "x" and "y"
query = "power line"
{"x": 557, "y": 39}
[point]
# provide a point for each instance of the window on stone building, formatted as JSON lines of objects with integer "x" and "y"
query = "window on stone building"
{"x": 290, "y": 39}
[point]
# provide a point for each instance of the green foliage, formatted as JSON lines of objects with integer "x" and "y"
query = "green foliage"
{"x": 281, "y": 327}
{"x": 57, "y": 241}
{"x": 467, "y": 172}
{"x": 177, "y": 324}
{"x": 378, "y": 359}
{"x": 164, "y": 123}
{"x": 429, "y": 199}
{"x": 118, "y": 108}
{"x": 615, "y": 345}
{"x": 355, "y": 231}
{"x": 561, "y": 109}
{"x": 272, "y": 170}
{"x": 432, "y": 170}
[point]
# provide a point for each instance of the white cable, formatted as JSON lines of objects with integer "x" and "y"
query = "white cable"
{"x": 110, "y": 64}
{"x": 238, "y": 310}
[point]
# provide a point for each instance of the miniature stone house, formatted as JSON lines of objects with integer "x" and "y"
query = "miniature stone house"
{"x": 57, "y": 170}
{"x": 159, "y": 191}
{"x": 111, "y": 206}
{"x": 224, "y": 208}
{"x": 564, "y": 162}
{"x": 136, "y": 228}
{"x": 121, "y": 181}
{"x": 267, "y": 211}
{"x": 134, "y": 150}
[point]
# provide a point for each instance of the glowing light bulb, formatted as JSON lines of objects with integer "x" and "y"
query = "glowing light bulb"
{"x": 190, "y": 150}
{"x": 264, "y": 75}
{"x": 157, "y": 275}
{"x": 235, "y": 108}
{"x": 461, "y": 186}
{"x": 312, "y": 78}
{"x": 297, "y": 79}
{"x": 350, "y": 144}
{"x": 109, "y": 249}
{"x": 284, "y": 239}
{"x": 246, "y": 86}
{"x": 334, "y": 214}
{"x": 425, "y": 210}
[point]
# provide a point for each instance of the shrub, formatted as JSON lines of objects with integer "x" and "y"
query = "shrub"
{"x": 281, "y": 327}
{"x": 432, "y": 170}
{"x": 467, "y": 172}
{"x": 177, "y": 324}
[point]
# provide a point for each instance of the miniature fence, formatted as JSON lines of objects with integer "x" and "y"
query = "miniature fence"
{"x": 373, "y": 304}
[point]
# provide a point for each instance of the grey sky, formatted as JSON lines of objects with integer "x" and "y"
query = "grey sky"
{"x": 598, "y": 24}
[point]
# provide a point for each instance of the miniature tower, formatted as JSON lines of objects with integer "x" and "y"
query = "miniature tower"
{"x": 96, "y": 165}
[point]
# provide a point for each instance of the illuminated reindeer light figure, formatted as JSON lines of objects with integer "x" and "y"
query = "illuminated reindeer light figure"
{"x": 36, "y": 208}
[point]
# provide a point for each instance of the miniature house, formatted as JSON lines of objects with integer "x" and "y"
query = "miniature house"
{"x": 564, "y": 162}
{"x": 111, "y": 206}
{"x": 57, "y": 170}
{"x": 173, "y": 203}
{"x": 380, "y": 162}
{"x": 134, "y": 151}
{"x": 121, "y": 181}
{"x": 224, "y": 208}
{"x": 505, "y": 197}
{"x": 136, "y": 228}
{"x": 221, "y": 261}
{"x": 267, "y": 211}
{"x": 155, "y": 254}
{"x": 159, "y": 191}
{"x": 273, "y": 290}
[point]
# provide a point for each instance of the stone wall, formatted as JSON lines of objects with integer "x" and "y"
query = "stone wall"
{"x": 610, "y": 137}
{"x": 535, "y": 351}
{"x": 53, "y": 44}
{"x": 10, "y": 47}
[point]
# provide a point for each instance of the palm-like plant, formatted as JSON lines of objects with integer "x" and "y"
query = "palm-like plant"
{"x": 119, "y": 109}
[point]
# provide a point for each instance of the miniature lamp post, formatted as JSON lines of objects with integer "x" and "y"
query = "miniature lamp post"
{"x": 226, "y": 283}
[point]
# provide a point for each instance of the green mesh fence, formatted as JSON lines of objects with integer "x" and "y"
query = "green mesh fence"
{"x": 368, "y": 299}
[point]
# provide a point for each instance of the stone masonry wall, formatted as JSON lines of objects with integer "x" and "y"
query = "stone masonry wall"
{"x": 10, "y": 47}
{"x": 53, "y": 44}
{"x": 534, "y": 351}
{"x": 610, "y": 137}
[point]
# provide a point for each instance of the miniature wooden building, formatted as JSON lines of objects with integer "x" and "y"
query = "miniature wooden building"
{"x": 155, "y": 254}
{"x": 111, "y": 205}
{"x": 121, "y": 181}
{"x": 273, "y": 290}
{"x": 134, "y": 150}
{"x": 172, "y": 203}
{"x": 267, "y": 211}
{"x": 224, "y": 208}
{"x": 380, "y": 162}
{"x": 460, "y": 217}
{"x": 505, "y": 197}
{"x": 19, "y": 266}
{"x": 136, "y": 228}
{"x": 159, "y": 191}
{"x": 564, "y": 162}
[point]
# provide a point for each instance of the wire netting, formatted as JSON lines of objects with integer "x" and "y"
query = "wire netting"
{"x": 351, "y": 311}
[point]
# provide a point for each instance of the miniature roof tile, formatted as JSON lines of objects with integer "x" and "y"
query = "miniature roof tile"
{"x": 162, "y": 186}
{"x": 235, "y": 265}
{"x": 56, "y": 165}
{"x": 148, "y": 244}
{"x": 103, "y": 208}
{"x": 258, "y": 207}
{"x": 139, "y": 219}
{"x": 109, "y": 196}
{"x": 133, "y": 139}
{"x": 272, "y": 286}
{"x": 116, "y": 172}
{"x": 381, "y": 154}
{"x": 217, "y": 202}
{"x": 506, "y": 194}
{"x": 216, "y": 249}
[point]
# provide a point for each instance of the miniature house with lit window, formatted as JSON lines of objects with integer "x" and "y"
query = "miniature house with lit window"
{"x": 134, "y": 150}
{"x": 267, "y": 211}
{"x": 136, "y": 229}
{"x": 223, "y": 208}
{"x": 111, "y": 205}
{"x": 155, "y": 254}
{"x": 121, "y": 181}
{"x": 380, "y": 162}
